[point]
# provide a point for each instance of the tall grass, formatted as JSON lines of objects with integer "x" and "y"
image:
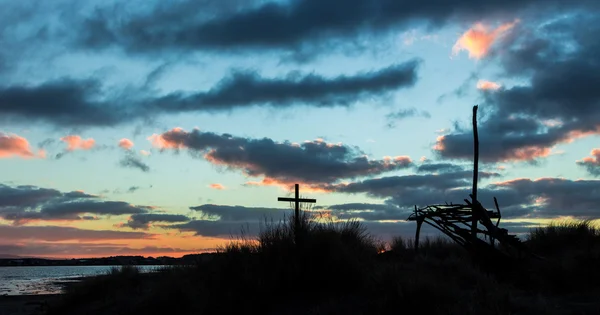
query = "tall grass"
{"x": 336, "y": 268}
{"x": 566, "y": 235}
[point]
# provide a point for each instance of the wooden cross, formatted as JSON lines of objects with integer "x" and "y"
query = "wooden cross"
{"x": 297, "y": 200}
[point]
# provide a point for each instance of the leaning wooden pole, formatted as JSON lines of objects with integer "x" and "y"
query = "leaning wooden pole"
{"x": 475, "y": 174}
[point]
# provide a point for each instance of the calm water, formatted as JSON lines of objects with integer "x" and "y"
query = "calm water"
{"x": 43, "y": 280}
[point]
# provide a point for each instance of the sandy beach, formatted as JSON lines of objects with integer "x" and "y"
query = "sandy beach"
{"x": 25, "y": 304}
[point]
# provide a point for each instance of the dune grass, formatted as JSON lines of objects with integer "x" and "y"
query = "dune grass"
{"x": 339, "y": 268}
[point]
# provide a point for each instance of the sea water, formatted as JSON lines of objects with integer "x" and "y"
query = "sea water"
{"x": 47, "y": 279}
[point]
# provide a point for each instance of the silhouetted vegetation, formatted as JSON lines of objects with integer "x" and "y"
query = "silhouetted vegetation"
{"x": 339, "y": 268}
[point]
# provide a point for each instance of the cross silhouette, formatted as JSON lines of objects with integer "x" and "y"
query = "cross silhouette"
{"x": 297, "y": 200}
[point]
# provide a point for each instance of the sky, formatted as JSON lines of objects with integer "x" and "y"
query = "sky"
{"x": 166, "y": 128}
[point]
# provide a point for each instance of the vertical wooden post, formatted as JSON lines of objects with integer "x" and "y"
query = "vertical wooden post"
{"x": 475, "y": 174}
{"x": 419, "y": 223}
{"x": 297, "y": 214}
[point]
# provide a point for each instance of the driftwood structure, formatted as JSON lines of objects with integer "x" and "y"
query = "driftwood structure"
{"x": 460, "y": 221}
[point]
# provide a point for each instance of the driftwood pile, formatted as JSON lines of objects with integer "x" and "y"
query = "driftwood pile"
{"x": 460, "y": 221}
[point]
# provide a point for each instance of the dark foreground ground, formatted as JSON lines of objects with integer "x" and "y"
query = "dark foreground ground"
{"x": 339, "y": 269}
{"x": 26, "y": 304}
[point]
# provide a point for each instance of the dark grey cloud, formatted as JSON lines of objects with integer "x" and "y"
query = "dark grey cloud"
{"x": 409, "y": 186}
{"x": 63, "y": 102}
{"x": 313, "y": 161}
{"x": 244, "y": 89}
{"x": 518, "y": 198}
{"x": 305, "y": 25}
{"x": 25, "y": 195}
{"x": 366, "y": 211}
{"x": 142, "y": 221}
{"x": 439, "y": 168}
{"x": 61, "y": 233}
{"x": 560, "y": 103}
{"x": 94, "y": 207}
{"x": 21, "y": 204}
{"x": 550, "y": 197}
{"x": 86, "y": 103}
{"x": 130, "y": 160}
{"x": 401, "y": 114}
{"x": 227, "y": 221}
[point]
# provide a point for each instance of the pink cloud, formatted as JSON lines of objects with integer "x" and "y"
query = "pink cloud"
{"x": 595, "y": 159}
{"x": 163, "y": 142}
{"x": 15, "y": 146}
{"x": 75, "y": 142}
{"x": 289, "y": 185}
{"x": 125, "y": 143}
{"x": 479, "y": 39}
{"x": 217, "y": 186}
{"x": 487, "y": 85}
{"x": 592, "y": 163}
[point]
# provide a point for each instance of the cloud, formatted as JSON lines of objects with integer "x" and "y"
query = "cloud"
{"x": 411, "y": 188}
{"x": 479, "y": 39}
{"x": 403, "y": 114}
{"x": 558, "y": 104}
{"x": 240, "y": 213}
{"x": 61, "y": 233}
{"x": 24, "y": 204}
{"x": 592, "y": 164}
{"x": 487, "y": 85}
{"x": 77, "y": 103}
{"x": 245, "y": 89}
{"x": 226, "y": 221}
{"x": 12, "y": 145}
{"x": 143, "y": 220}
{"x": 75, "y": 142}
{"x": 439, "y": 168}
{"x": 217, "y": 186}
{"x": 366, "y": 211}
{"x": 125, "y": 144}
{"x": 189, "y": 26}
{"x": 132, "y": 161}
{"x": 64, "y": 102}
{"x": 518, "y": 198}
{"x": 551, "y": 197}
{"x": 144, "y": 153}
{"x": 313, "y": 161}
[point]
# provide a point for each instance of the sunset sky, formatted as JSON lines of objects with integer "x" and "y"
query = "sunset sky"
{"x": 163, "y": 127}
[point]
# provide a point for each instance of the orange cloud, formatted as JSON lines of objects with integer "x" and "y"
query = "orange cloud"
{"x": 592, "y": 162}
{"x": 479, "y": 39}
{"x": 144, "y": 152}
{"x": 76, "y": 142}
{"x": 13, "y": 145}
{"x": 217, "y": 186}
{"x": 161, "y": 142}
{"x": 487, "y": 85}
{"x": 289, "y": 186}
{"x": 125, "y": 143}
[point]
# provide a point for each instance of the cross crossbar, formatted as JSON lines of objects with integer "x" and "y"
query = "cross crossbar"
{"x": 299, "y": 200}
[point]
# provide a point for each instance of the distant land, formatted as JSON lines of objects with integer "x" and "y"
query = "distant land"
{"x": 15, "y": 261}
